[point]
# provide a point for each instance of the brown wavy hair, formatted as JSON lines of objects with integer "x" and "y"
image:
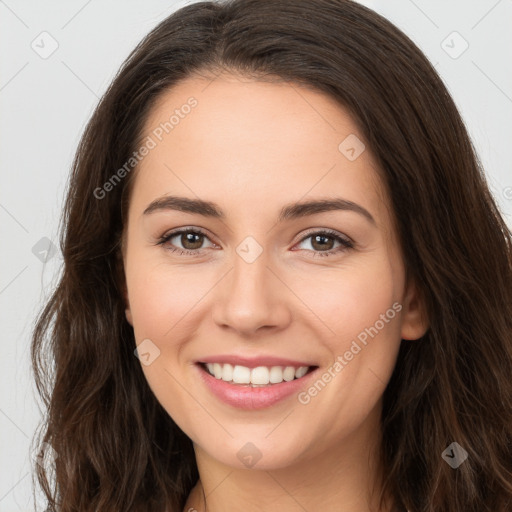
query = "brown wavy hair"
{"x": 116, "y": 448}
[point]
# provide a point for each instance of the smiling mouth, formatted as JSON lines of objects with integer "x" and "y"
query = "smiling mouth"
{"x": 261, "y": 376}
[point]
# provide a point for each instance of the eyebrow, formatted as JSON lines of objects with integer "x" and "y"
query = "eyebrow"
{"x": 290, "y": 211}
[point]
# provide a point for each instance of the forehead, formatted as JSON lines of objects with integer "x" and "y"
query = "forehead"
{"x": 247, "y": 144}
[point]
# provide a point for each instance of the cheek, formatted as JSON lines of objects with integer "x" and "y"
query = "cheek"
{"x": 360, "y": 308}
{"x": 349, "y": 299}
{"x": 162, "y": 302}
{"x": 161, "y": 297}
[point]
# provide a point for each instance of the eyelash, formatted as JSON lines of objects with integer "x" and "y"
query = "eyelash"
{"x": 346, "y": 244}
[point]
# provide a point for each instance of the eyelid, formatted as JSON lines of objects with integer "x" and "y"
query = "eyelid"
{"x": 326, "y": 231}
{"x": 345, "y": 241}
{"x": 308, "y": 232}
{"x": 185, "y": 229}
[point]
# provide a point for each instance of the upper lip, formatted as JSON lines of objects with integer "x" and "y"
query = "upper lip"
{"x": 253, "y": 362}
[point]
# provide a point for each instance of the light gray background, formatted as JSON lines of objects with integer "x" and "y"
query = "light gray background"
{"x": 45, "y": 103}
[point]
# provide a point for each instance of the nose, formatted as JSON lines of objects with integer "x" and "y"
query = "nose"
{"x": 251, "y": 299}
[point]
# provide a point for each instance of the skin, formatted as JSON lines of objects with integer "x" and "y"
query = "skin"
{"x": 252, "y": 147}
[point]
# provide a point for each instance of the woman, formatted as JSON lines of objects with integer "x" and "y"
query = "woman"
{"x": 286, "y": 284}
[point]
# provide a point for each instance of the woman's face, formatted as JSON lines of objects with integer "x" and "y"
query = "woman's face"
{"x": 257, "y": 276}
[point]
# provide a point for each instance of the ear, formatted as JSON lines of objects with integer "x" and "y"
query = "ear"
{"x": 121, "y": 279}
{"x": 128, "y": 311}
{"x": 414, "y": 316}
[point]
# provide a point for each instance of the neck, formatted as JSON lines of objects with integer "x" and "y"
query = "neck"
{"x": 346, "y": 478}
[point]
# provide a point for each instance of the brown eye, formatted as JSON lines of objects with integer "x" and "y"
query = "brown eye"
{"x": 322, "y": 243}
{"x": 187, "y": 241}
{"x": 191, "y": 240}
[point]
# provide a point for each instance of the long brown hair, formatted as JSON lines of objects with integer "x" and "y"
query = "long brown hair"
{"x": 115, "y": 446}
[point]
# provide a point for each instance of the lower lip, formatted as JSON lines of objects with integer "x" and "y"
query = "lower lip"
{"x": 249, "y": 398}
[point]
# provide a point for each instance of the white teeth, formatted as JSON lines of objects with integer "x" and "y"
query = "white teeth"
{"x": 226, "y": 372}
{"x": 241, "y": 375}
{"x": 289, "y": 373}
{"x": 276, "y": 374}
{"x": 259, "y": 376}
{"x": 300, "y": 372}
{"x": 217, "y": 370}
